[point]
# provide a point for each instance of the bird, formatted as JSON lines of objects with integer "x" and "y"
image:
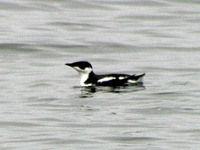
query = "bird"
{"x": 89, "y": 78}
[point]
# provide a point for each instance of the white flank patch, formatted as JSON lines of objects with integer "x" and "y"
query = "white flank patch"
{"x": 135, "y": 81}
{"x": 121, "y": 78}
{"x": 106, "y": 79}
{"x": 132, "y": 81}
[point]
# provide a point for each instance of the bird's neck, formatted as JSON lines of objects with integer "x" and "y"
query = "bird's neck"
{"x": 84, "y": 77}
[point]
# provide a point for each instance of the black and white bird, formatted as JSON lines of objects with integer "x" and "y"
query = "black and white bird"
{"x": 89, "y": 78}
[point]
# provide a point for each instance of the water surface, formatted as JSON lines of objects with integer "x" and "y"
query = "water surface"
{"x": 41, "y": 105}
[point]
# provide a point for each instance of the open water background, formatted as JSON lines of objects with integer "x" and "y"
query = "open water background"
{"x": 41, "y": 106}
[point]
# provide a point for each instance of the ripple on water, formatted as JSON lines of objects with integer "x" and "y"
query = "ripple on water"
{"x": 130, "y": 139}
{"x": 156, "y": 110}
{"x": 19, "y": 47}
{"x": 15, "y": 6}
{"x": 18, "y": 124}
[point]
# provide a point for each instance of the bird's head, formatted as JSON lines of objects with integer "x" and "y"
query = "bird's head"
{"x": 82, "y": 67}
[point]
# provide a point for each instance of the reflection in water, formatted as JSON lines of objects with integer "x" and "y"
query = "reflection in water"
{"x": 88, "y": 92}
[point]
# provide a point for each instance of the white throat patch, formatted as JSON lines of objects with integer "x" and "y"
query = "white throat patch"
{"x": 84, "y": 74}
{"x": 84, "y": 77}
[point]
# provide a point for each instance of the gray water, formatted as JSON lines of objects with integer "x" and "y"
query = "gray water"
{"x": 41, "y": 103}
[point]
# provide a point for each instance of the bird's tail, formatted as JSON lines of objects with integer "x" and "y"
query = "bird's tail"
{"x": 136, "y": 78}
{"x": 140, "y": 76}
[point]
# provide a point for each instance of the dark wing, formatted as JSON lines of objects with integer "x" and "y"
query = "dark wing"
{"x": 112, "y": 80}
{"x": 119, "y": 80}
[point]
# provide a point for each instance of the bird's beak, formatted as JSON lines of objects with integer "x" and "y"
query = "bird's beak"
{"x": 68, "y": 64}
